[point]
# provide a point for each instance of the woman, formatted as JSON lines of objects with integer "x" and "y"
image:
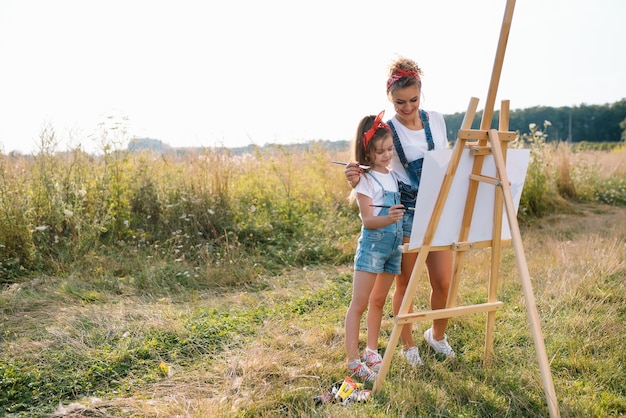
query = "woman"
{"x": 415, "y": 132}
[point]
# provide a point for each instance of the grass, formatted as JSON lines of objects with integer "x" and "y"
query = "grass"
{"x": 268, "y": 350}
{"x": 142, "y": 286}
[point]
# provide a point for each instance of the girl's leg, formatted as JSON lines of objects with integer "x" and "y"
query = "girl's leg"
{"x": 362, "y": 285}
{"x": 439, "y": 264}
{"x": 402, "y": 281}
{"x": 377, "y": 300}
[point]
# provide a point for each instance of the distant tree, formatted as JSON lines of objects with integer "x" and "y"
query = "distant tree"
{"x": 137, "y": 144}
{"x": 592, "y": 123}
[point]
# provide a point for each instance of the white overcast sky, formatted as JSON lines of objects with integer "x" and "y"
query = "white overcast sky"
{"x": 204, "y": 73}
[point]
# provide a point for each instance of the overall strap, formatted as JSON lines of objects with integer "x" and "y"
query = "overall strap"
{"x": 398, "y": 145}
{"x": 394, "y": 175}
{"x": 376, "y": 180}
{"x": 396, "y": 193}
{"x": 429, "y": 135}
{"x": 386, "y": 193}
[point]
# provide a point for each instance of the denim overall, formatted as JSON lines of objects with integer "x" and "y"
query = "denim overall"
{"x": 408, "y": 192}
{"x": 378, "y": 250}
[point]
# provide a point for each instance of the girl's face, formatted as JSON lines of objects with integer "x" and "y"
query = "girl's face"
{"x": 381, "y": 153}
{"x": 406, "y": 102}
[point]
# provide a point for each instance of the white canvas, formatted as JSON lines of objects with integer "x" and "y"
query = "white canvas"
{"x": 481, "y": 229}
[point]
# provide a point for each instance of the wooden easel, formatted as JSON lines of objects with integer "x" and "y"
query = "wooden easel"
{"x": 482, "y": 142}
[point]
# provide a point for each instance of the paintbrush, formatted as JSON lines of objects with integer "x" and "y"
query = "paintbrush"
{"x": 388, "y": 207}
{"x": 361, "y": 166}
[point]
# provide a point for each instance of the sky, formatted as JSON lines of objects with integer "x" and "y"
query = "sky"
{"x": 234, "y": 73}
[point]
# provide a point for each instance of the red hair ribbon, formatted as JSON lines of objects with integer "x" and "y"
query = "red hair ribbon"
{"x": 399, "y": 73}
{"x": 378, "y": 123}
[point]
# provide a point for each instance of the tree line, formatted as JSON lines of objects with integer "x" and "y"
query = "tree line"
{"x": 589, "y": 123}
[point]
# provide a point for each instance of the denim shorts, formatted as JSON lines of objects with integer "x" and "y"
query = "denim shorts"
{"x": 378, "y": 251}
{"x": 407, "y": 222}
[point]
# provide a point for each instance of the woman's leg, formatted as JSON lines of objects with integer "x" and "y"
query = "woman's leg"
{"x": 439, "y": 264}
{"x": 378, "y": 297}
{"x": 362, "y": 285}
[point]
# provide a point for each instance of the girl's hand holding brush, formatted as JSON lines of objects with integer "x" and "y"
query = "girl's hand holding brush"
{"x": 396, "y": 212}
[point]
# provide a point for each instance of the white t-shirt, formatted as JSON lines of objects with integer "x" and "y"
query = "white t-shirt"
{"x": 414, "y": 143}
{"x": 370, "y": 188}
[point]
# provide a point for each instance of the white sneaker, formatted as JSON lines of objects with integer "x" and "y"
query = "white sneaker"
{"x": 412, "y": 355}
{"x": 372, "y": 359}
{"x": 360, "y": 370}
{"x": 442, "y": 346}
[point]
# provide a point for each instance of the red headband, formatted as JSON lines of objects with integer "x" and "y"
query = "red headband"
{"x": 378, "y": 123}
{"x": 399, "y": 73}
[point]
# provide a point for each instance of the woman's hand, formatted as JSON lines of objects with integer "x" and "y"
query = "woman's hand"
{"x": 353, "y": 173}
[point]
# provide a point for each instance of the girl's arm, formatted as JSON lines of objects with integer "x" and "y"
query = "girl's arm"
{"x": 371, "y": 221}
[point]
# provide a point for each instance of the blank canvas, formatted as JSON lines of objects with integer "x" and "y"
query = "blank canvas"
{"x": 449, "y": 227}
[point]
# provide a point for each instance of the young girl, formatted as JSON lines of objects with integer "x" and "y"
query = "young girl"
{"x": 378, "y": 255}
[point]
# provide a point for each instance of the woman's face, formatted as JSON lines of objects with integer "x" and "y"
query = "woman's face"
{"x": 406, "y": 101}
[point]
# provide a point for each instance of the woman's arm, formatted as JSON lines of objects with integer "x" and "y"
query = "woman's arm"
{"x": 353, "y": 174}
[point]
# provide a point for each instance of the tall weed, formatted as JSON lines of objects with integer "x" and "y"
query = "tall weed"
{"x": 560, "y": 173}
{"x": 229, "y": 217}
{"x": 17, "y": 249}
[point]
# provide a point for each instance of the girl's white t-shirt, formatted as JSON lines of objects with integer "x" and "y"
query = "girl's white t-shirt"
{"x": 369, "y": 187}
{"x": 414, "y": 143}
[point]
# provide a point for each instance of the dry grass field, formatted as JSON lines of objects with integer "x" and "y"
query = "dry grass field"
{"x": 280, "y": 344}
{"x": 143, "y": 286}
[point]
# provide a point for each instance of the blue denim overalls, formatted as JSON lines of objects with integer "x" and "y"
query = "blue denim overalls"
{"x": 408, "y": 192}
{"x": 413, "y": 168}
{"x": 378, "y": 250}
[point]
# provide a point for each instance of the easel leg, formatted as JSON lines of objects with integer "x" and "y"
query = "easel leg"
{"x": 458, "y": 257}
{"x": 418, "y": 269}
{"x": 389, "y": 352}
{"x": 522, "y": 267}
{"x": 496, "y": 248}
